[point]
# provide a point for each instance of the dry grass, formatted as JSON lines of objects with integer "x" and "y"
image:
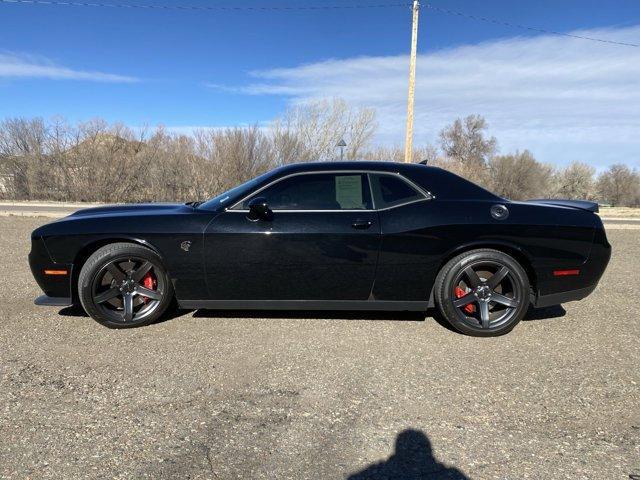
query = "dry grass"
{"x": 620, "y": 212}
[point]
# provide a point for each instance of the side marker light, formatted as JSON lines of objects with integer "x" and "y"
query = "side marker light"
{"x": 565, "y": 273}
{"x": 56, "y": 272}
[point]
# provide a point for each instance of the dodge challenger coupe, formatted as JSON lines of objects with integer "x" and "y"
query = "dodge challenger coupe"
{"x": 327, "y": 236}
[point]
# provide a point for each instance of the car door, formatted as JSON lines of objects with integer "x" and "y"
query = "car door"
{"x": 408, "y": 259}
{"x": 320, "y": 242}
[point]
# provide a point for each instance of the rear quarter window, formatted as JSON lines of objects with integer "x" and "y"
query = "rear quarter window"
{"x": 391, "y": 190}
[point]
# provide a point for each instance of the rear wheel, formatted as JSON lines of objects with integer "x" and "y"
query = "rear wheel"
{"x": 482, "y": 292}
{"x": 124, "y": 285}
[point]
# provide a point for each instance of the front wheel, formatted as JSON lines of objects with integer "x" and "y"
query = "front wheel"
{"x": 124, "y": 285}
{"x": 482, "y": 292}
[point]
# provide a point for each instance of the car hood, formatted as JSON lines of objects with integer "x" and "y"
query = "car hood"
{"x": 131, "y": 209}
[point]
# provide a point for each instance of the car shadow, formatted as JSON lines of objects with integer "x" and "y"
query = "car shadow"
{"x": 533, "y": 314}
{"x": 412, "y": 459}
{"x": 545, "y": 313}
{"x": 172, "y": 313}
{"x": 73, "y": 311}
{"x": 313, "y": 314}
{"x": 556, "y": 311}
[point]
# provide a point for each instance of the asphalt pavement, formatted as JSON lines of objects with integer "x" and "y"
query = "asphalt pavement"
{"x": 319, "y": 395}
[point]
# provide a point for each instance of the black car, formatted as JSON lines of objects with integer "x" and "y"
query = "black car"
{"x": 327, "y": 236}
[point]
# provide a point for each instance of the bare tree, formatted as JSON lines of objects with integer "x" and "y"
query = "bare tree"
{"x": 427, "y": 154}
{"x": 312, "y": 131}
{"x": 576, "y": 182}
{"x": 619, "y": 185}
{"x": 519, "y": 176}
{"x": 233, "y": 155}
{"x": 465, "y": 141}
{"x": 22, "y": 145}
{"x": 96, "y": 161}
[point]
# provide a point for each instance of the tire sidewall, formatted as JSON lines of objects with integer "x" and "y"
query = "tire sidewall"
{"x": 107, "y": 254}
{"x": 451, "y": 270}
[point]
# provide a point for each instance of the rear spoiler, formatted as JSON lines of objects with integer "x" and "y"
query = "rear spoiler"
{"x": 579, "y": 204}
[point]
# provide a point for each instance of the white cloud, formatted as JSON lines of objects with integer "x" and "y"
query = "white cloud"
{"x": 222, "y": 88}
{"x": 192, "y": 129}
{"x": 30, "y": 66}
{"x": 563, "y": 98}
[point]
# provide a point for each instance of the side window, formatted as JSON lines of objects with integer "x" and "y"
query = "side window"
{"x": 318, "y": 191}
{"x": 391, "y": 190}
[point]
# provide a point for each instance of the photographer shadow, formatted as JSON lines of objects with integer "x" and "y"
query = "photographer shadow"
{"x": 412, "y": 460}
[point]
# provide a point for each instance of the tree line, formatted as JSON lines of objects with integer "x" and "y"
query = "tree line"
{"x": 100, "y": 162}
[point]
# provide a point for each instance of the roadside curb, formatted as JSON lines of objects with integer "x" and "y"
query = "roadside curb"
{"x": 7, "y": 213}
{"x": 76, "y": 205}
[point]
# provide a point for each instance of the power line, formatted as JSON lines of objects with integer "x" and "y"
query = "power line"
{"x": 524, "y": 27}
{"x": 447, "y": 11}
{"x": 204, "y": 7}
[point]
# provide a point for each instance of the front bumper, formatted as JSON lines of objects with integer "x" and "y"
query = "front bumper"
{"x": 55, "y": 286}
{"x": 46, "y": 301}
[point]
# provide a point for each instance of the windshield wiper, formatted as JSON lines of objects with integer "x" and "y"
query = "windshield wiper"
{"x": 194, "y": 204}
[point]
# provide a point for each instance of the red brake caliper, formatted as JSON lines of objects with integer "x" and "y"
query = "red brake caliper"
{"x": 148, "y": 281}
{"x": 471, "y": 308}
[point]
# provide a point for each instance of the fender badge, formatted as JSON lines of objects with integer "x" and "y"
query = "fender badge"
{"x": 186, "y": 245}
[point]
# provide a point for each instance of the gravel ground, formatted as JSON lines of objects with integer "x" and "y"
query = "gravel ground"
{"x": 236, "y": 395}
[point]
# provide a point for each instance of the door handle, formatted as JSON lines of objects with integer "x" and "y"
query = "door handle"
{"x": 362, "y": 224}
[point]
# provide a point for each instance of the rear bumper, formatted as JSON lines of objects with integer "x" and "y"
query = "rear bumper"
{"x": 563, "y": 297}
{"x": 554, "y": 290}
{"x": 45, "y": 301}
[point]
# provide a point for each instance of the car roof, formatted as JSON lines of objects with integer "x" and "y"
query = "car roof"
{"x": 435, "y": 180}
{"x": 351, "y": 165}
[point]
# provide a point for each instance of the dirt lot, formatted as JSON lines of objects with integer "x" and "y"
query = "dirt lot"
{"x": 236, "y": 395}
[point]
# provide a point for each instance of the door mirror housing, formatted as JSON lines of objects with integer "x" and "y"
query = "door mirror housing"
{"x": 259, "y": 209}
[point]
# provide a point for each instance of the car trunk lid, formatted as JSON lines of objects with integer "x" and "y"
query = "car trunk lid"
{"x": 578, "y": 204}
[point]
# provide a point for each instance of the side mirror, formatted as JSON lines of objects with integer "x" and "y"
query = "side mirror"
{"x": 259, "y": 209}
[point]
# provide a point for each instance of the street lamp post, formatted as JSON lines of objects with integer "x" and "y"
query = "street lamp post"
{"x": 342, "y": 144}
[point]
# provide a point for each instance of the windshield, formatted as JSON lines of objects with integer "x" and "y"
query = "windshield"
{"x": 229, "y": 197}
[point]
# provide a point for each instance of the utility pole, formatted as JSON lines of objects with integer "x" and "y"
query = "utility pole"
{"x": 408, "y": 145}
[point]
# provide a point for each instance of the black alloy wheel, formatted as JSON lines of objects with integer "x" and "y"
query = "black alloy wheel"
{"x": 124, "y": 285}
{"x": 483, "y": 292}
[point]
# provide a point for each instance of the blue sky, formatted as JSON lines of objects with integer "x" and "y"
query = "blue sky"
{"x": 564, "y": 99}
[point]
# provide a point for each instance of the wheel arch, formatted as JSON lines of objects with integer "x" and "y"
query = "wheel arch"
{"x": 515, "y": 251}
{"x": 90, "y": 247}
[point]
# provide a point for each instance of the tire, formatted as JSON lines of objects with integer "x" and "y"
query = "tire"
{"x": 124, "y": 285}
{"x": 477, "y": 305}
